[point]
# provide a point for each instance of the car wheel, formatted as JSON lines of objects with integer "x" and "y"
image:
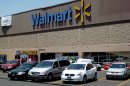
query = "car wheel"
{"x": 84, "y": 79}
{"x": 49, "y": 77}
{"x": 95, "y": 77}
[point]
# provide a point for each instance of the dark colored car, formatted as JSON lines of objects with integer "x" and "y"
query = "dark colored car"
{"x": 9, "y": 65}
{"x": 21, "y": 72}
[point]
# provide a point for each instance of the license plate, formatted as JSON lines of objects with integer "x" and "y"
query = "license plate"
{"x": 13, "y": 74}
{"x": 36, "y": 75}
{"x": 68, "y": 77}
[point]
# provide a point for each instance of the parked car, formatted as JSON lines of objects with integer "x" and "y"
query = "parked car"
{"x": 106, "y": 66}
{"x": 79, "y": 72}
{"x": 106, "y": 61}
{"x": 121, "y": 58}
{"x": 98, "y": 66}
{"x": 9, "y": 65}
{"x": 21, "y": 72}
{"x": 118, "y": 70}
{"x": 48, "y": 69}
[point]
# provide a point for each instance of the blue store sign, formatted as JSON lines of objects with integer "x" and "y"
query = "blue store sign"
{"x": 41, "y": 19}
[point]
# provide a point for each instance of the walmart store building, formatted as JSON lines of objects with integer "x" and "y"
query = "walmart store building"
{"x": 98, "y": 29}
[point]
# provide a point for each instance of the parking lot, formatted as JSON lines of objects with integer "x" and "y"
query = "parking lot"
{"x": 4, "y": 81}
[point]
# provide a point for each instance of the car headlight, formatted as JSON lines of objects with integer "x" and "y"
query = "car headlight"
{"x": 21, "y": 73}
{"x": 79, "y": 74}
{"x": 10, "y": 67}
{"x": 122, "y": 72}
{"x": 44, "y": 73}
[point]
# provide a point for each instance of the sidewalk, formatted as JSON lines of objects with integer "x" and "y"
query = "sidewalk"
{"x": 3, "y": 74}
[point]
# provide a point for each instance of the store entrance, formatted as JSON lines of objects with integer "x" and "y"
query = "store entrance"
{"x": 46, "y": 56}
{"x": 72, "y": 57}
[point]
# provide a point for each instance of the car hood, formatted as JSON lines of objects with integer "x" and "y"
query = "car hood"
{"x": 8, "y": 65}
{"x": 35, "y": 69}
{"x": 72, "y": 71}
{"x": 20, "y": 70}
{"x": 116, "y": 69}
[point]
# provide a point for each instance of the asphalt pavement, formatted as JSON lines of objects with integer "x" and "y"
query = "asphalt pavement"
{"x": 5, "y": 81}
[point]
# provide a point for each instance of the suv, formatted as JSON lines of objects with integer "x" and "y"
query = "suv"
{"x": 48, "y": 69}
{"x": 98, "y": 66}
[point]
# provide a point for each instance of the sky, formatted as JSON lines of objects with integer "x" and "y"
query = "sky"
{"x": 9, "y": 7}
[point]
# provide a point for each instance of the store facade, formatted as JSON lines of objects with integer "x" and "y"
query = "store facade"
{"x": 81, "y": 28}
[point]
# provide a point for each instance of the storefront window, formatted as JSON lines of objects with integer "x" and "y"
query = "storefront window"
{"x": 108, "y": 57}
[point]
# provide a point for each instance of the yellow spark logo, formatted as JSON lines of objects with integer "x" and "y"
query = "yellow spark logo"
{"x": 84, "y": 10}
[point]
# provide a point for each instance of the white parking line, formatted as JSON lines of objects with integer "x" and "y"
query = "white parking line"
{"x": 56, "y": 82}
{"x": 101, "y": 79}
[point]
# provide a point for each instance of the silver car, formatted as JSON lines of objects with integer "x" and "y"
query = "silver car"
{"x": 48, "y": 69}
{"x": 118, "y": 70}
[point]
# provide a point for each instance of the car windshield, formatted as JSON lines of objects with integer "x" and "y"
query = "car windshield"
{"x": 11, "y": 62}
{"x": 76, "y": 67}
{"x": 45, "y": 64}
{"x": 25, "y": 65}
{"x": 117, "y": 66}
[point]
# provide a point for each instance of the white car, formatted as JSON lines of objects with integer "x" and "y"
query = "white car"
{"x": 118, "y": 70}
{"x": 79, "y": 72}
{"x": 98, "y": 66}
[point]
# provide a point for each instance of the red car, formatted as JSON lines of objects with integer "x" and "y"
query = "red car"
{"x": 106, "y": 66}
{"x": 9, "y": 65}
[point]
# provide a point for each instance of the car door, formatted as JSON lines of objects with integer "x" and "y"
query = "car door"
{"x": 94, "y": 70}
{"x": 55, "y": 70}
{"x": 89, "y": 71}
{"x": 127, "y": 70}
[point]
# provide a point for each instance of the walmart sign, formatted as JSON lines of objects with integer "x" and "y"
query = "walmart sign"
{"x": 41, "y": 19}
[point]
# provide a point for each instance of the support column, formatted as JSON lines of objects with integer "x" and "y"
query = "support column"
{"x": 80, "y": 54}
{"x": 38, "y": 53}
